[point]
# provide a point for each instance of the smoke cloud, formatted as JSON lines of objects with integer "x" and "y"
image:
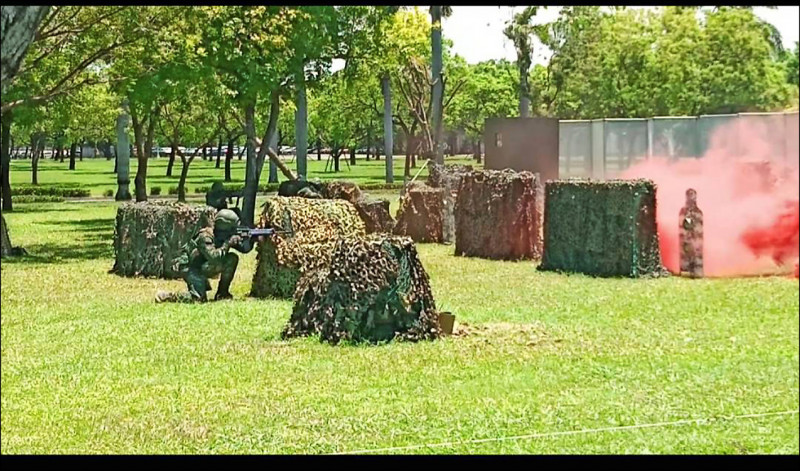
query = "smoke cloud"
{"x": 748, "y": 192}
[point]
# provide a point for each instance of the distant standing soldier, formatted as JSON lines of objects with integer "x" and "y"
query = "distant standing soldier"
{"x": 207, "y": 255}
{"x": 217, "y": 198}
{"x": 691, "y": 236}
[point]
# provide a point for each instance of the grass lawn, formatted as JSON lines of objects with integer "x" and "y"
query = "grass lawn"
{"x": 97, "y": 174}
{"x": 91, "y": 365}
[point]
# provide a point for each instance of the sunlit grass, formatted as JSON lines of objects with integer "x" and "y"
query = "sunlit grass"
{"x": 91, "y": 365}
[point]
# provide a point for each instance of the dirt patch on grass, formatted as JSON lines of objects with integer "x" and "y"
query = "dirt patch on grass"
{"x": 531, "y": 335}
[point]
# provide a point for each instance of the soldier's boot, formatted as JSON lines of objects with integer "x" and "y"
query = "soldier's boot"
{"x": 229, "y": 264}
{"x": 167, "y": 297}
{"x": 197, "y": 284}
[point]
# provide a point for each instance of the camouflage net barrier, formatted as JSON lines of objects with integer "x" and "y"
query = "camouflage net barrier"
{"x": 317, "y": 224}
{"x": 420, "y": 214}
{"x": 601, "y": 228}
{"x": 376, "y": 215}
{"x": 448, "y": 178}
{"x": 375, "y": 289}
{"x": 149, "y": 235}
{"x": 341, "y": 190}
{"x": 498, "y": 216}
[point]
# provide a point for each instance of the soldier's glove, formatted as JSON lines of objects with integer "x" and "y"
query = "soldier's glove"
{"x": 234, "y": 240}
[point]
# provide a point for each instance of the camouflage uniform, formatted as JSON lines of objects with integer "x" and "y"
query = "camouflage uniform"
{"x": 302, "y": 188}
{"x": 691, "y": 236}
{"x": 207, "y": 255}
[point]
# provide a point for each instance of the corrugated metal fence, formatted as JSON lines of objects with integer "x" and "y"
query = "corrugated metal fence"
{"x": 602, "y": 148}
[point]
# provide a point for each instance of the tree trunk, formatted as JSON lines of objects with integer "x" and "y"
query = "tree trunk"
{"x": 369, "y": 140}
{"x": 438, "y": 88}
{"x": 250, "y": 173}
{"x": 151, "y": 131}
{"x": 319, "y": 149}
{"x": 407, "y": 168}
{"x": 5, "y": 240}
{"x": 219, "y": 152}
{"x": 123, "y": 155}
{"x": 171, "y": 162}
{"x": 415, "y": 148}
{"x": 273, "y": 169}
{"x": 58, "y": 154}
{"x": 255, "y": 163}
{"x": 5, "y": 162}
{"x": 301, "y": 129}
{"x": 388, "y": 143}
{"x": 37, "y": 153}
{"x": 116, "y": 159}
{"x": 228, "y": 158}
{"x": 205, "y": 154}
{"x": 336, "y": 161}
{"x": 20, "y": 24}
{"x": 138, "y": 136}
{"x": 352, "y": 155}
{"x": 72, "y": 156}
{"x": 182, "y": 180}
{"x": 140, "y": 182}
{"x": 241, "y": 152}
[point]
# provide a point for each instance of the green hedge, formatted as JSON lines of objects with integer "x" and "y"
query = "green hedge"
{"x": 36, "y": 199}
{"x": 270, "y": 187}
{"x": 65, "y": 192}
{"x": 601, "y": 228}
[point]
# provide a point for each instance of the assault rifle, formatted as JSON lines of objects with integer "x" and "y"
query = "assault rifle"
{"x": 246, "y": 232}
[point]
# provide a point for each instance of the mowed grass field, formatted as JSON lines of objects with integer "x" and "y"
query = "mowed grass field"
{"x": 90, "y": 364}
{"x": 97, "y": 174}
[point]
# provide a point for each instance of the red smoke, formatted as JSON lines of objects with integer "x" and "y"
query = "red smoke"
{"x": 750, "y": 204}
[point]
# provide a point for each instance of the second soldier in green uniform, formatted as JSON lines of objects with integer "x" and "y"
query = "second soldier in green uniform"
{"x": 208, "y": 255}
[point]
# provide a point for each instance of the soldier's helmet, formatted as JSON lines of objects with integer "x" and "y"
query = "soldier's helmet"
{"x": 226, "y": 220}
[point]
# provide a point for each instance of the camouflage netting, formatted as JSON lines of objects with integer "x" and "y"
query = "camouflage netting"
{"x": 601, "y": 228}
{"x": 420, "y": 214}
{"x": 448, "y": 177}
{"x": 341, "y": 190}
{"x": 497, "y": 215}
{"x": 317, "y": 224}
{"x": 375, "y": 289}
{"x": 376, "y": 215}
{"x": 149, "y": 235}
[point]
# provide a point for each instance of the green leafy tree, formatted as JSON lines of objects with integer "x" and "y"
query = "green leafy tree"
{"x": 520, "y": 31}
{"x": 437, "y": 95}
{"x": 250, "y": 47}
{"x": 489, "y": 91}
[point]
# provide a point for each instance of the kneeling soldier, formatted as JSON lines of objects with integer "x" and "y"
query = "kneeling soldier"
{"x": 207, "y": 255}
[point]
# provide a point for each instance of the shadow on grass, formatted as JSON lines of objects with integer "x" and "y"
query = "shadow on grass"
{"x": 21, "y": 208}
{"x": 84, "y": 239}
{"x": 57, "y": 253}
